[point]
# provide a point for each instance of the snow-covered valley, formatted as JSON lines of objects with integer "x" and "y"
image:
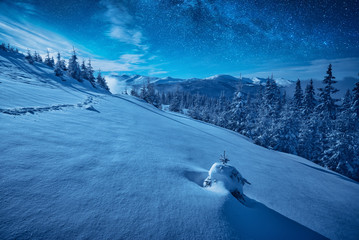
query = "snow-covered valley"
{"x": 79, "y": 163}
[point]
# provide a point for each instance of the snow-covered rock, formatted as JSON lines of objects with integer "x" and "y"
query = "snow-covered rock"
{"x": 226, "y": 175}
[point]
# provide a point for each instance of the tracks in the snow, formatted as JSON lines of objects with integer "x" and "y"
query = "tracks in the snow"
{"x": 32, "y": 110}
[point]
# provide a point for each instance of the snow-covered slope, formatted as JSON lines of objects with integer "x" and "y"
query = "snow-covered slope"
{"x": 81, "y": 164}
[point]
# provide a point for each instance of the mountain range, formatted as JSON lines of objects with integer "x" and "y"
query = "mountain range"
{"x": 214, "y": 86}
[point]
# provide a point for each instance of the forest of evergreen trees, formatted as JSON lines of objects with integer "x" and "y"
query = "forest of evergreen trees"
{"x": 83, "y": 72}
{"x": 311, "y": 124}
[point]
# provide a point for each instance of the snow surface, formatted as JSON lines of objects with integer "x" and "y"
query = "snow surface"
{"x": 114, "y": 167}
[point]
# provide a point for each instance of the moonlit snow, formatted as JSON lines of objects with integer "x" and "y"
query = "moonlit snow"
{"x": 79, "y": 163}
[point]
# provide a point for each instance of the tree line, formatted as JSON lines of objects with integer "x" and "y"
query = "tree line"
{"x": 316, "y": 126}
{"x": 81, "y": 73}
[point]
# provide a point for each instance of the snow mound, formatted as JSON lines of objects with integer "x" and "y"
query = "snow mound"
{"x": 226, "y": 176}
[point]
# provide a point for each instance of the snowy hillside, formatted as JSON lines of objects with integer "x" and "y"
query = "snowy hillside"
{"x": 78, "y": 163}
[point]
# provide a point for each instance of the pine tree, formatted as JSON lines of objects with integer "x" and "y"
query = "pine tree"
{"x": 309, "y": 102}
{"x": 74, "y": 68}
{"x": 29, "y": 58}
{"x": 220, "y": 112}
{"x": 163, "y": 98}
{"x": 83, "y": 70}
{"x": 133, "y": 92}
{"x": 347, "y": 101}
{"x": 271, "y": 98}
{"x": 194, "y": 110}
{"x": 90, "y": 73}
{"x": 309, "y": 145}
{"x": 52, "y": 61}
{"x": 327, "y": 104}
{"x": 102, "y": 81}
{"x": 3, "y": 47}
{"x": 59, "y": 66}
{"x": 143, "y": 91}
{"x": 327, "y": 113}
{"x": 268, "y": 115}
{"x": 341, "y": 154}
{"x": 150, "y": 94}
{"x": 298, "y": 96}
{"x": 236, "y": 115}
{"x": 48, "y": 60}
{"x": 286, "y": 130}
{"x": 175, "y": 105}
{"x": 35, "y": 57}
{"x": 62, "y": 63}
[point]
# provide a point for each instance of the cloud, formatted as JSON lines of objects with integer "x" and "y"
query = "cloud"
{"x": 159, "y": 72}
{"x": 20, "y": 32}
{"x": 125, "y": 63}
{"x": 132, "y": 58}
{"x": 113, "y": 84}
{"x": 316, "y": 69}
{"x": 122, "y": 24}
{"x": 26, "y": 36}
{"x": 23, "y": 6}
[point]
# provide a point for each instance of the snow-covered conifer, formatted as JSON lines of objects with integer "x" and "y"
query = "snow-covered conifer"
{"x": 102, "y": 81}
{"x": 48, "y": 61}
{"x": 286, "y": 130}
{"x": 83, "y": 70}
{"x": 298, "y": 96}
{"x": 29, "y": 58}
{"x": 271, "y": 98}
{"x": 37, "y": 57}
{"x": 59, "y": 66}
{"x": 309, "y": 145}
{"x": 90, "y": 73}
{"x": 134, "y": 92}
{"x": 309, "y": 101}
{"x": 236, "y": 115}
{"x": 327, "y": 104}
{"x": 52, "y": 61}
{"x": 175, "y": 105}
{"x": 73, "y": 67}
{"x": 3, "y": 47}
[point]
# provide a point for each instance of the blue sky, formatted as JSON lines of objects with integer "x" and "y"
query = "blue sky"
{"x": 193, "y": 38}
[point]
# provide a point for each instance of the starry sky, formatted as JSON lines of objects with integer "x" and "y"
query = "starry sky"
{"x": 193, "y": 38}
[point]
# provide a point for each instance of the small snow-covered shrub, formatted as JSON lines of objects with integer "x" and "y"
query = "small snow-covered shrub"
{"x": 228, "y": 176}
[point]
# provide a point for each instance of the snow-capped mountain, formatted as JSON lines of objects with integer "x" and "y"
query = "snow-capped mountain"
{"x": 212, "y": 86}
{"x": 77, "y": 162}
